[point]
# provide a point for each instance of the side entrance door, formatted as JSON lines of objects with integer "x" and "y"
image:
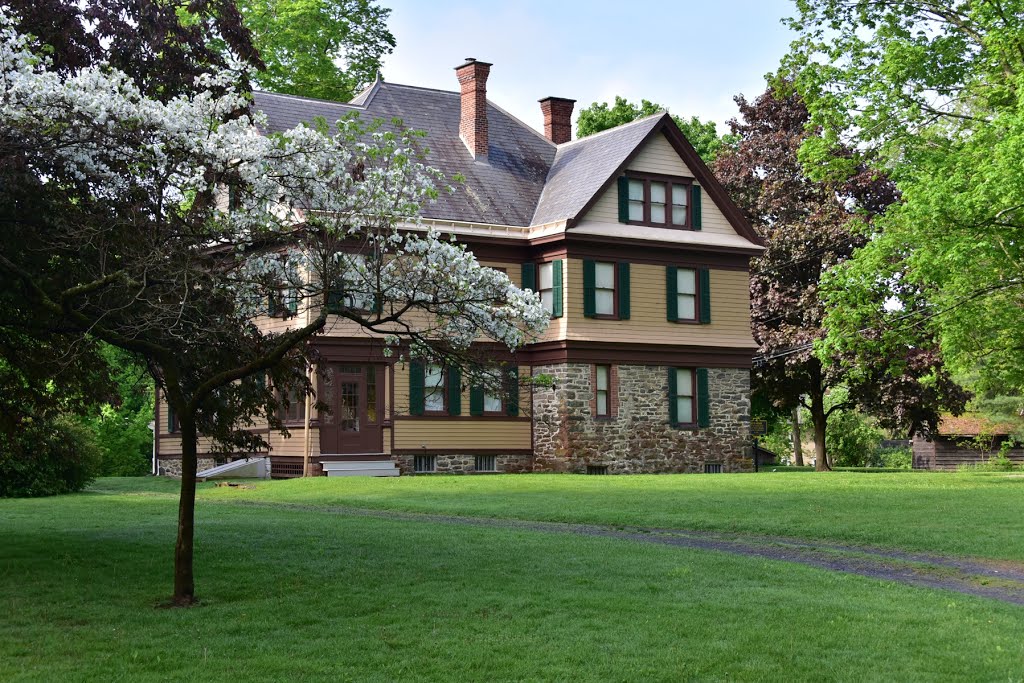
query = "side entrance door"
{"x": 355, "y": 396}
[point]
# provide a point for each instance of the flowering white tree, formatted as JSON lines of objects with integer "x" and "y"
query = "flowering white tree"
{"x": 113, "y": 205}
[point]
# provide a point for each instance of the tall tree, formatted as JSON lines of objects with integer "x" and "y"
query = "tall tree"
{"x": 703, "y": 135}
{"x": 114, "y": 212}
{"x": 328, "y": 49}
{"x": 811, "y": 226}
{"x": 932, "y": 92}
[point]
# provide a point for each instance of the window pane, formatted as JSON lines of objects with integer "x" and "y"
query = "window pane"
{"x": 679, "y": 193}
{"x": 602, "y": 377}
{"x": 684, "y": 382}
{"x": 684, "y": 409}
{"x": 657, "y": 213}
{"x": 657, "y": 193}
{"x": 492, "y": 403}
{"x": 434, "y": 376}
{"x": 604, "y": 276}
{"x": 605, "y": 302}
{"x": 371, "y": 394}
{"x": 602, "y": 403}
{"x": 547, "y": 300}
{"x": 544, "y": 279}
{"x": 687, "y": 306}
{"x": 636, "y": 211}
{"x": 686, "y": 281}
{"x": 433, "y": 400}
{"x": 636, "y": 190}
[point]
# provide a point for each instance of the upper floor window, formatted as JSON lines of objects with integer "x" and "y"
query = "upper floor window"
{"x": 546, "y": 280}
{"x": 688, "y": 294}
{"x": 661, "y": 201}
{"x": 606, "y": 289}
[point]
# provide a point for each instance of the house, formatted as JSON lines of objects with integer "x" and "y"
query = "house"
{"x": 966, "y": 440}
{"x": 637, "y": 252}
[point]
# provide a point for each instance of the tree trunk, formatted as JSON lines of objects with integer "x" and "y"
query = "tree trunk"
{"x": 184, "y": 582}
{"x": 819, "y": 419}
{"x": 798, "y": 449}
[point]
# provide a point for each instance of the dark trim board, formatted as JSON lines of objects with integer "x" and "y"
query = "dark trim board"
{"x": 621, "y": 353}
{"x": 438, "y": 417}
{"x": 463, "y": 451}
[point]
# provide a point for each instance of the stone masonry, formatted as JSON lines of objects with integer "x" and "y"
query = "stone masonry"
{"x": 466, "y": 464}
{"x": 171, "y": 467}
{"x": 639, "y": 438}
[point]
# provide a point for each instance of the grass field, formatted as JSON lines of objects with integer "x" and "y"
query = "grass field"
{"x": 316, "y": 594}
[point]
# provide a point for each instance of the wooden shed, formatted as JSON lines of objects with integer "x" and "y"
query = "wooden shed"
{"x": 965, "y": 440}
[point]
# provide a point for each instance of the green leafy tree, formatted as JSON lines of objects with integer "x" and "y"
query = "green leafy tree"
{"x": 703, "y": 135}
{"x": 328, "y": 49}
{"x": 811, "y": 227}
{"x": 931, "y": 92}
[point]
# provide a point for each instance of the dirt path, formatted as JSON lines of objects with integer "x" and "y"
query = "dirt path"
{"x": 995, "y": 579}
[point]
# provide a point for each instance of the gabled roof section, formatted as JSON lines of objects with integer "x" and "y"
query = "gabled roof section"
{"x": 504, "y": 190}
{"x": 584, "y": 169}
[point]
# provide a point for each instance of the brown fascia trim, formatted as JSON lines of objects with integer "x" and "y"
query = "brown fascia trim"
{"x": 462, "y": 418}
{"x": 701, "y": 173}
{"x": 371, "y": 350}
{"x": 463, "y": 451}
{"x": 624, "y": 353}
{"x": 570, "y": 245}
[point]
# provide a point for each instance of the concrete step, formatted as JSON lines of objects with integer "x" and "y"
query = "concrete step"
{"x": 360, "y": 468}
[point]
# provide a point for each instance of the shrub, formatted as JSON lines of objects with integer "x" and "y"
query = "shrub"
{"x": 896, "y": 458}
{"x": 47, "y": 457}
{"x": 125, "y": 440}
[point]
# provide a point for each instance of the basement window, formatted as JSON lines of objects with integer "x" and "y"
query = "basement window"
{"x": 424, "y": 463}
{"x": 597, "y": 469}
{"x": 713, "y": 468}
{"x": 486, "y": 463}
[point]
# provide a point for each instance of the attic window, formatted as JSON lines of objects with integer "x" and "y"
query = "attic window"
{"x": 660, "y": 201}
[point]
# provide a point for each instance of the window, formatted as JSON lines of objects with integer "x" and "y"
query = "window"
{"x": 597, "y": 469}
{"x": 499, "y": 397}
{"x": 712, "y": 468}
{"x": 606, "y": 289}
{"x": 688, "y": 294}
{"x": 689, "y": 401}
{"x": 295, "y": 411}
{"x": 172, "y": 420}
{"x": 546, "y": 280}
{"x": 494, "y": 403}
{"x": 283, "y": 303}
{"x": 602, "y": 394}
{"x": 424, "y": 463}
{"x": 486, "y": 463}
{"x": 682, "y": 397}
{"x": 349, "y": 290}
{"x": 662, "y": 201}
{"x": 434, "y": 389}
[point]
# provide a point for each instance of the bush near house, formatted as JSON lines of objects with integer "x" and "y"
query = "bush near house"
{"x": 48, "y": 457}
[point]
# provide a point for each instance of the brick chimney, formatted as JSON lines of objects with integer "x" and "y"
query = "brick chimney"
{"x": 473, "y": 121}
{"x": 557, "y": 118}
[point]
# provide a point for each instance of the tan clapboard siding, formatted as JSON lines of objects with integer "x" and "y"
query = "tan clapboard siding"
{"x": 387, "y": 440}
{"x": 294, "y": 445}
{"x": 730, "y": 311}
{"x": 439, "y": 434}
{"x": 402, "y": 393}
{"x": 171, "y": 445}
{"x": 658, "y": 156}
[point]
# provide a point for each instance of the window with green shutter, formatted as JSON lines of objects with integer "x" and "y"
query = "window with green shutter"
{"x": 512, "y": 391}
{"x": 529, "y": 276}
{"x": 682, "y": 391}
{"x": 606, "y": 289}
{"x": 705, "y": 295}
{"x": 659, "y": 200}
{"x": 417, "y": 376}
{"x": 703, "y": 399}
{"x": 687, "y": 294}
{"x": 454, "y": 403}
{"x": 549, "y": 285}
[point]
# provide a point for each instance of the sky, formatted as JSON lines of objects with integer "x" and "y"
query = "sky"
{"x": 690, "y": 57}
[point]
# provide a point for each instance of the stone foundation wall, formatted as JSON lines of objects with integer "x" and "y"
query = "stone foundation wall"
{"x": 171, "y": 467}
{"x": 466, "y": 464}
{"x": 639, "y": 438}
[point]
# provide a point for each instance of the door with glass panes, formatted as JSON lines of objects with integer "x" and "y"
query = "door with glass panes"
{"x": 353, "y": 425}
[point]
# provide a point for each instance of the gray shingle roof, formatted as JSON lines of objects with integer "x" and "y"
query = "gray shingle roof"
{"x": 581, "y": 168}
{"x": 504, "y": 190}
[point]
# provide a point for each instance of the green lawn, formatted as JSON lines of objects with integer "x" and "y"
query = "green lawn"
{"x": 311, "y": 594}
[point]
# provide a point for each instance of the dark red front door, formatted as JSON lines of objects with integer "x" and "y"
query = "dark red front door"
{"x": 353, "y": 425}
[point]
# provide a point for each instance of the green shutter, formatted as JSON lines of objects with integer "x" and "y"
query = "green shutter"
{"x": 623, "y": 292}
{"x": 529, "y": 276}
{"x": 378, "y": 303}
{"x": 512, "y": 398}
{"x": 705, "y": 295}
{"x": 672, "y": 293}
{"x": 454, "y": 391}
{"x": 589, "y": 276}
{"x": 293, "y": 300}
{"x": 556, "y": 288}
{"x": 695, "y": 207}
{"x": 673, "y": 408}
{"x": 703, "y": 399}
{"x": 417, "y": 373}
{"x": 623, "y": 199}
{"x": 476, "y": 400}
